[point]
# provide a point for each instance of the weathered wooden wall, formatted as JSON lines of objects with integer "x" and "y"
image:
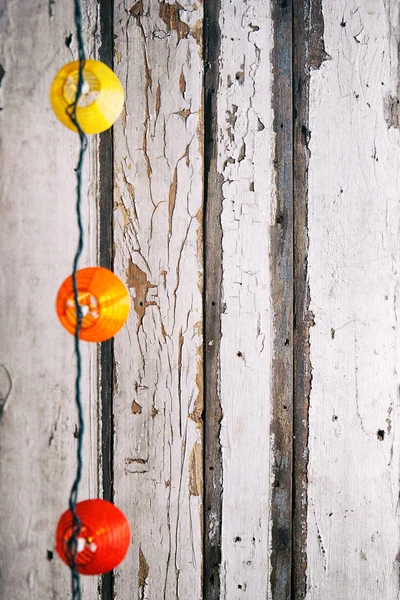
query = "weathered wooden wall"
{"x": 245, "y": 417}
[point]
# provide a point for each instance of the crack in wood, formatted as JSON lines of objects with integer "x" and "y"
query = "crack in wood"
{"x": 172, "y": 198}
{"x": 137, "y": 279}
{"x": 182, "y": 84}
{"x": 180, "y": 348}
{"x": 196, "y": 470}
{"x": 143, "y": 574}
{"x": 136, "y": 408}
{"x": 170, "y": 14}
{"x": 6, "y": 384}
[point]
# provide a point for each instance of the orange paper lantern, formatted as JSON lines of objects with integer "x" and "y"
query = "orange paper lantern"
{"x": 104, "y": 301}
{"x": 100, "y": 103}
{"x": 103, "y": 540}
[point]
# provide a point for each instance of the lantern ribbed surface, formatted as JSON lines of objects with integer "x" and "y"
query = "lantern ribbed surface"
{"x": 104, "y": 302}
{"x": 101, "y": 101}
{"x": 103, "y": 540}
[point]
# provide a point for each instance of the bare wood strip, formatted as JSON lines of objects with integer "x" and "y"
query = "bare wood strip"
{"x": 212, "y": 309}
{"x": 282, "y": 306}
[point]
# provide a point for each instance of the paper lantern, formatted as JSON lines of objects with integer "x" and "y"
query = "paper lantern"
{"x": 101, "y": 101}
{"x": 104, "y": 302}
{"x": 103, "y": 540}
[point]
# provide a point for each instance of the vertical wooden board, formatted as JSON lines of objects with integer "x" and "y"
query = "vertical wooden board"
{"x": 38, "y": 236}
{"x": 353, "y": 526}
{"x": 282, "y": 273}
{"x": 158, "y": 241}
{"x": 308, "y": 53}
{"x": 212, "y": 309}
{"x": 245, "y": 165}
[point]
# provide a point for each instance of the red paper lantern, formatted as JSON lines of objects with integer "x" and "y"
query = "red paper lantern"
{"x": 104, "y": 300}
{"x": 103, "y": 540}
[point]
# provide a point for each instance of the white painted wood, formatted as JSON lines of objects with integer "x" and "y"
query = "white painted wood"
{"x": 244, "y": 162}
{"x": 354, "y": 215}
{"x": 353, "y": 529}
{"x": 158, "y": 354}
{"x": 38, "y": 235}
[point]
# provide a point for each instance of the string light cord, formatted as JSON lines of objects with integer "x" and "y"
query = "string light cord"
{"x": 72, "y": 113}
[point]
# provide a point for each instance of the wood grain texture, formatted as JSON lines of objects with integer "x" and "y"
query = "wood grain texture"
{"x": 213, "y": 307}
{"x": 38, "y": 235}
{"x": 106, "y": 259}
{"x": 244, "y": 162}
{"x": 353, "y": 525}
{"x": 308, "y": 54}
{"x": 158, "y": 458}
{"x": 282, "y": 272}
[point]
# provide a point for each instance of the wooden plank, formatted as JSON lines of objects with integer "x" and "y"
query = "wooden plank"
{"x": 353, "y": 491}
{"x": 158, "y": 252}
{"x": 106, "y": 259}
{"x": 244, "y": 164}
{"x": 308, "y": 53}
{"x": 213, "y": 475}
{"x": 281, "y": 268}
{"x": 38, "y": 234}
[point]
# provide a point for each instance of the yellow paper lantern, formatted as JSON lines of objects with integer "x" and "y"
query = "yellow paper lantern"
{"x": 100, "y": 103}
{"x": 104, "y": 302}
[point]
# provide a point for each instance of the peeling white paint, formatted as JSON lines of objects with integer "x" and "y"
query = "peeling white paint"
{"x": 158, "y": 202}
{"x": 244, "y": 161}
{"x": 353, "y": 527}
